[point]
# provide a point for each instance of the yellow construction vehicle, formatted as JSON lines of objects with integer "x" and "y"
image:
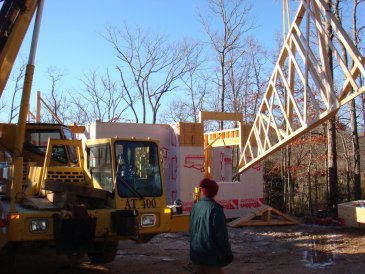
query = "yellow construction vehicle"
{"x": 112, "y": 191}
{"x": 115, "y": 193}
{"x": 79, "y": 199}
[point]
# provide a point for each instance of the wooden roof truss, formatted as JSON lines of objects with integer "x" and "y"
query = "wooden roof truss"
{"x": 301, "y": 94}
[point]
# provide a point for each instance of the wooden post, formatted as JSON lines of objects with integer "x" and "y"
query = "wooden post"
{"x": 38, "y": 111}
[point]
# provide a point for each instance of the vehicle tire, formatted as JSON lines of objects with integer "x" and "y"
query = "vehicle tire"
{"x": 104, "y": 252}
{"x": 7, "y": 258}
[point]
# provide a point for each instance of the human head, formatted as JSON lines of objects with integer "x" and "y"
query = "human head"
{"x": 209, "y": 187}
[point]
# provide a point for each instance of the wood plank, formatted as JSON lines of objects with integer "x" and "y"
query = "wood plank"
{"x": 264, "y": 215}
{"x": 220, "y": 116}
{"x": 264, "y": 223}
{"x": 252, "y": 214}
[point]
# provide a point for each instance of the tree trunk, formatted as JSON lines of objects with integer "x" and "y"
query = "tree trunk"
{"x": 348, "y": 167}
{"x": 223, "y": 91}
{"x": 316, "y": 191}
{"x": 331, "y": 135}
{"x": 363, "y": 109}
{"x": 310, "y": 204}
{"x": 291, "y": 182}
{"x": 282, "y": 176}
{"x": 355, "y": 134}
{"x": 353, "y": 118}
{"x": 356, "y": 152}
{"x": 332, "y": 168}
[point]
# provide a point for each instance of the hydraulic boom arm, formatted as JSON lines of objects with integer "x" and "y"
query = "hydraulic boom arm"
{"x": 15, "y": 17}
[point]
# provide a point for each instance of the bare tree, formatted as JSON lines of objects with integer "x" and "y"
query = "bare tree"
{"x": 101, "y": 98}
{"x": 355, "y": 135}
{"x": 18, "y": 85}
{"x": 2, "y": 105}
{"x": 352, "y": 103}
{"x": 55, "y": 98}
{"x": 177, "y": 110}
{"x": 81, "y": 113}
{"x": 183, "y": 109}
{"x": 234, "y": 20}
{"x": 247, "y": 80}
{"x": 347, "y": 160}
{"x": 238, "y": 84}
{"x": 331, "y": 134}
{"x": 150, "y": 66}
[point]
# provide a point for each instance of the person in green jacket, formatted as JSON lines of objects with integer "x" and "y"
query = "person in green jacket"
{"x": 210, "y": 249}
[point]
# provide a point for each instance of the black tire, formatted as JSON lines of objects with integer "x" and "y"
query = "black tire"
{"x": 105, "y": 252}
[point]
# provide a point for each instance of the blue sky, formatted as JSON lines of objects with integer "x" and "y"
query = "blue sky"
{"x": 70, "y": 36}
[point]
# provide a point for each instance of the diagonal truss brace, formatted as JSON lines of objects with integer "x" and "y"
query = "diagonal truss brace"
{"x": 301, "y": 93}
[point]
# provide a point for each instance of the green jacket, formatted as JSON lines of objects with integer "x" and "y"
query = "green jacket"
{"x": 209, "y": 243}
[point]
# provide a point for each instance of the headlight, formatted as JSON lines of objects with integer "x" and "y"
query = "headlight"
{"x": 38, "y": 225}
{"x": 3, "y": 189}
{"x": 148, "y": 220}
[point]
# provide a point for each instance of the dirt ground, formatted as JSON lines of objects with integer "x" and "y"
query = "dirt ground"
{"x": 271, "y": 249}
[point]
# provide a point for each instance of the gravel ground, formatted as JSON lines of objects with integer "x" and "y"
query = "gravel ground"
{"x": 276, "y": 249}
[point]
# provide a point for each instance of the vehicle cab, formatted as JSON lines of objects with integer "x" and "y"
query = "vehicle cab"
{"x": 130, "y": 171}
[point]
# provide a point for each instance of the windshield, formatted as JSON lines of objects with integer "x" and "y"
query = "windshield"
{"x": 71, "y": 149}
{"x": 36, "y": 141}
{"x": 138, "y": 169}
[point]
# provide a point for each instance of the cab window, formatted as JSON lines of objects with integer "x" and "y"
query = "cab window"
{"x": 100, "y": 165}
{"x": 36, "y": 141}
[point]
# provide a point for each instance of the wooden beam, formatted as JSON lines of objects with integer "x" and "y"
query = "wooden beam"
{"x": 219, "y": 116}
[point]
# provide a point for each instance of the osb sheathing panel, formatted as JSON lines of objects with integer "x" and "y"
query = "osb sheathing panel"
{"x": 246, "y": 131}
{"x": 191, "y": 134}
